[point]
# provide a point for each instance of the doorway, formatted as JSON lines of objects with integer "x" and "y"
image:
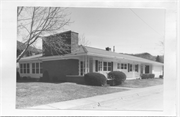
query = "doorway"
{"x": 146, "y": 69}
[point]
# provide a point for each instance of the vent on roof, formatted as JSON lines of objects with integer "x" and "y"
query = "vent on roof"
{"x": 108, "y": 49}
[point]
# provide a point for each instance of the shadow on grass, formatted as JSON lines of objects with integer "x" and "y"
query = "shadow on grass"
{"x": 34, "y": 80}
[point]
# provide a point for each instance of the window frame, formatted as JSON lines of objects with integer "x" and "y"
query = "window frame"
{"x": 130, "y": 67}
{"x": 37, "y": 68}
{"x": 123, "y": 65}
{"x": 27, "y": 68}
{"x": 21, "y": 68}
{"x": 137, "y": 68}
{"x": 33, "y": 68}
{"x": 82, "y": 68}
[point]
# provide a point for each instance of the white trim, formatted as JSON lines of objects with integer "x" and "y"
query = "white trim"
{"x": 115, "y": 57}
{"x": 49, "y": 58}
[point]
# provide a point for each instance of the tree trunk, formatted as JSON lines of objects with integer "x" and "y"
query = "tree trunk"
{"x": 22, "y": 54}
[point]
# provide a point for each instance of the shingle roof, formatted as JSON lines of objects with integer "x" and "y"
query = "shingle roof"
{"x": 110, "y": 54}
{"x": 97, "y": 52}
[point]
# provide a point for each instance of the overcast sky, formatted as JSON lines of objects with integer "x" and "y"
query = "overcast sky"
{"x": 129, "y": 30}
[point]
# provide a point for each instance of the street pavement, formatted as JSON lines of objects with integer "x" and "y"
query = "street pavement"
{"x": 150, "y": 98}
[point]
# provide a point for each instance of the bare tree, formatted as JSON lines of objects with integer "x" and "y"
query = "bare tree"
{"x": 36, "y": 22}
{"x": 82, "y": 41}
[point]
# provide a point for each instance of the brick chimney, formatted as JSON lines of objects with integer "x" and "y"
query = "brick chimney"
{"x": 108, "y": 49}
{"x": 68, "y": 41}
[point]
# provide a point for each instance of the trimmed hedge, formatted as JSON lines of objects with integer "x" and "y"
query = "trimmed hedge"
{"x": 147, "y": 76}
{"x": 161, "y": 76}
{"x": 96, "y": 79}
{"x": 118, "y": 77}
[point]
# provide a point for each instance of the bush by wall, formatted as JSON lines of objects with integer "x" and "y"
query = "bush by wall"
{"x": 45, "y": 77}
{"x": 96, "y": 79}
{"x": 118, "y": 77}
{"x": 147, "y": 76}
{"x": 161, "y": 76}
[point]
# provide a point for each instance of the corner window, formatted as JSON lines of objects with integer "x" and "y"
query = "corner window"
{"x": 37, "y": 68}
{"x": 24, "y": 68}
{"x": 33, "y": 68}
{"x": 21, "y": 68}
{"x": 136, "y": 68}
{"x": 27, "y": 67}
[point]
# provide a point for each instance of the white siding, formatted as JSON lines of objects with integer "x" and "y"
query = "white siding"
{"x": 157, "y": 70}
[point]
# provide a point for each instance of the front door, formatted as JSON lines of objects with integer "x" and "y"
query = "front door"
{"x": 147, "y": 69}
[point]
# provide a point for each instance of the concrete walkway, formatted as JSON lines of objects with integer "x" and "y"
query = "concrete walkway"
{"x": 96, "y": 101}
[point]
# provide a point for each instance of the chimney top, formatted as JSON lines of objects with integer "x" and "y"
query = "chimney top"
{"x": 113, "y": 48}
{"x": 108, "y": 49}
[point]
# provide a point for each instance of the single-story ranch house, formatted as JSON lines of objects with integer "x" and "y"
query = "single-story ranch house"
{"x": 80, "y": 60}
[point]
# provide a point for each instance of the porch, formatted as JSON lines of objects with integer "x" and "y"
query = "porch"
{"x": 104, "y": 65}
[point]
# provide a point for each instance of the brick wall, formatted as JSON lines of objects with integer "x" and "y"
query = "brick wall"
{"x": 59, "y": 44}
{"x": 61, "y": 68}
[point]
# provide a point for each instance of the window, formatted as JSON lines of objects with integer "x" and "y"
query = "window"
{"x": 104, "y": 66}
{"x": 123, "y": 66}
{"x": 41, "y": 71}
{"x": 24, "y": 68}
{"x": 37, "y": 68}
{"x": 99, "y": 65}
{"x": 118, "y": 65}
{"x": 82, "y": 68}
{"x": 21, "y": 68}
{"x": 136, "y": 68}
{"x": 107, "y": 66}
{"x": 129, "y": 67}
{"x": 33, "y": 68}
{"x": 27, "y": 67}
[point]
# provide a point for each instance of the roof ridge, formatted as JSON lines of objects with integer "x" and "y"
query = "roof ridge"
{"x": 122, "y": 54}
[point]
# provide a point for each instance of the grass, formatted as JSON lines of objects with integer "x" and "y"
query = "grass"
{"x": 141, "y": 83}
{"x": 37, "y": 93}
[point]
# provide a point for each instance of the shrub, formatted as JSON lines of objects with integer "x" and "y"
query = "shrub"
{"x": 147, "y": 76}
{"x": 96, "y": 79}
{"x": 118, "y": 77}
{"x": 160, "y": 76}
{"x": 45, "y": 77}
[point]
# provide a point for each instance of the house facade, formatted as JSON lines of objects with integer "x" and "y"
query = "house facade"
{"x": 79, "y": 60}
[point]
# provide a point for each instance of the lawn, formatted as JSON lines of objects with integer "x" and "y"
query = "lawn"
{"x": 38, "y": 93}
{"x": 140, "y": 83}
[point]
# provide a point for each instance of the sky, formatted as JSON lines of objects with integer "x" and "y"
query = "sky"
{"x": 129, "y": 30}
